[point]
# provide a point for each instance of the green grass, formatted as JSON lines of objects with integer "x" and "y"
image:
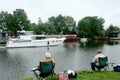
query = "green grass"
{"x": 99, "y": 76}
{"x": 26, "y": 79}
{"x": 89, "y": 75}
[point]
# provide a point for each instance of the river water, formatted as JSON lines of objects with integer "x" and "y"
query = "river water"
{"x": 16, "y": 63}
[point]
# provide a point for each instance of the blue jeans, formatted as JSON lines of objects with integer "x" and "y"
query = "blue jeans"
{"x": 93, "y": 65}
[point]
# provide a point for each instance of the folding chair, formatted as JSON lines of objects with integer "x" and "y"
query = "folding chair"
{"x": 103, "y": 63}
{"x": 46, "y": 69}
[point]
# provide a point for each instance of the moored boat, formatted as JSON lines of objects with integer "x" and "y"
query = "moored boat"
{"x": 63, "y": 36}
{"x": 33, "y": 41}
{"x": 83, "y": 39}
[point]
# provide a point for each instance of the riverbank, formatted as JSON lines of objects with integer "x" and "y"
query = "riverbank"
{"x": 89, "y": 75}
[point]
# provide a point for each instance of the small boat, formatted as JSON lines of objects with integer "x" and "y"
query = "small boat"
{"x": 30, "y": 40}
{"x": 65, "y": 36}
{"x": 83, "y": 40}
{"x": 4, "y": 36}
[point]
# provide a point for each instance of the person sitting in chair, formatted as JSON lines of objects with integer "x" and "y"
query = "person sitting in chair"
{"x": 45, "y": 67}
{"x": 95, "y": 60}
{"x": 47, "y": 64}
{"x": 47, "y": 59}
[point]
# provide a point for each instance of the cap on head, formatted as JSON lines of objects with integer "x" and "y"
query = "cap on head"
{"x": 48, "y": 54}
{"x": 99, "y": 51}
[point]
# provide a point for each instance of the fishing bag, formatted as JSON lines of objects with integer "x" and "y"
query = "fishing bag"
{"x": 117, "y": 68}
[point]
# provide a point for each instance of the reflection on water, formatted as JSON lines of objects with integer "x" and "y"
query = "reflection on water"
{"x": 114, "y": 42}
{"x": 16, "y": 62}
{"x": 92, "y": 44}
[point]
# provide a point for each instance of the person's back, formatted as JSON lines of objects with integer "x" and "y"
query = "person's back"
{"x": 95, "y": 60}
{"x": 46, "y": 68}
{"x": 47, "y": 59}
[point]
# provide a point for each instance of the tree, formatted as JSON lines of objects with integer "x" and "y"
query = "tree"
{"x": 15, "y": 22}
{"x": 63, "y": 24}
{"x": 45, "y": 28}
{"x": 21, "y": 20}
{"x": 112, "y": 28}
{"x": 59, "y": 24}
{"x": 39, "y": 20}
{"x": 70, "y": 25}
{"x": 4, "y": 20}
{"x": 10, "y": 23}
{"x": 91, "y": 27}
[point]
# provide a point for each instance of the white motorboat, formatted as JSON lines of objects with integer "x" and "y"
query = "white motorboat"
{"x": 83, "y": 40}
{"x": 33, "y": 41}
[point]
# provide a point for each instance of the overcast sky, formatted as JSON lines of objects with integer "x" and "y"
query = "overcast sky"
{"x": 78, "y": 9}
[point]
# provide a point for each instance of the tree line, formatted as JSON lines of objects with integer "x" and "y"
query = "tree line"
{"x": 90, "y": 26}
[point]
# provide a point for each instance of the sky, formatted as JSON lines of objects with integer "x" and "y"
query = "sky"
{"x": 109, "y": 10}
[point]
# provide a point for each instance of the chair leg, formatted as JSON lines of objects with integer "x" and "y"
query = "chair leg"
{"x": 105, "y": 69}
{"x": 35, "y": 76}
{"x": 98, "y": 69}
{"x": 53, "y": 76}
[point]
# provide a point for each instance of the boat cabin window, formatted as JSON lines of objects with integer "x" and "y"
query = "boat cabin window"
{"x": 38, "y": 38}
{"x": 21, "y": 41}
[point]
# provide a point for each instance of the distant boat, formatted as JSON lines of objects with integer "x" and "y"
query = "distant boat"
{"x": 63, "y": 36}
{"x": 30, "y": 40}
{"x": 4, "y": 36}
{"x": 71, "y": 36}
{"x": 83, "y": 39}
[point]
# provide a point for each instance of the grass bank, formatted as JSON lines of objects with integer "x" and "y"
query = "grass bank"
{"x": 89, "y": 75}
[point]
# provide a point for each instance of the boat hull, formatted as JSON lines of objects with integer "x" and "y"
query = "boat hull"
{"x": 35, "y": 43}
